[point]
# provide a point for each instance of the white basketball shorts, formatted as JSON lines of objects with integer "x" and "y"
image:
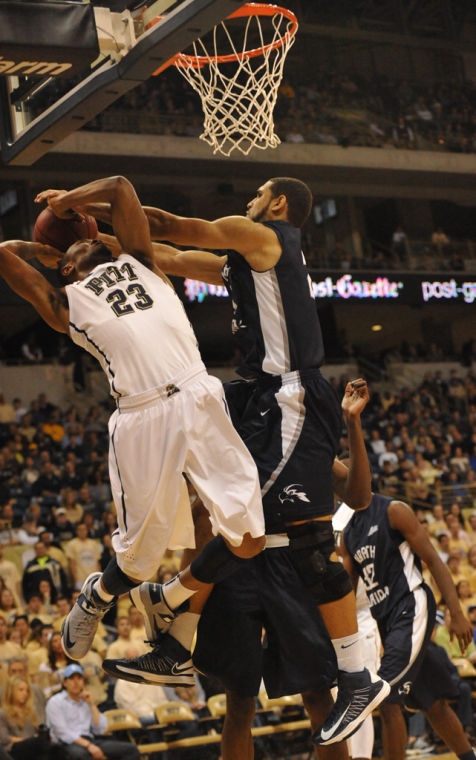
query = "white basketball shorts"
{"x": 154, "y": 438}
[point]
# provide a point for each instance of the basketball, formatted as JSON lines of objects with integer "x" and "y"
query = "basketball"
{"x": 61, "y": 233}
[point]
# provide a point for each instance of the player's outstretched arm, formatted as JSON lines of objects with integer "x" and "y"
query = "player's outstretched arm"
{"x": 353, "y": 482}
{"x": 50, "y": 302}
{"x": 199, "y": 265}
{"x": 256, "y": 243}
{"x": 127, "y": 217}
{"x": 402, "y": 518}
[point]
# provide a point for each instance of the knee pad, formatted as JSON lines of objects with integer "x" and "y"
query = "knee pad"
{"x": 311, "y": 546}
{"x": 215, "y": 562}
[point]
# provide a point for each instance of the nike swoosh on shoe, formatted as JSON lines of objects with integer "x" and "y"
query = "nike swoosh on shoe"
{"x": 141, "y": 677}
{"x": 325, "y": 735}
{"x": 67, "y": 641}
{"x": 176, "y": 669}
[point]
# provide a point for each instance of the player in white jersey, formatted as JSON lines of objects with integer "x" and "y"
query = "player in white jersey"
{"x": 170, "y": 418}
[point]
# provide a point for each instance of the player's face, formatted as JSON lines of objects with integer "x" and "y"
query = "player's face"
{"x": 257, "y": 208}
{"x": 81, "y": 258}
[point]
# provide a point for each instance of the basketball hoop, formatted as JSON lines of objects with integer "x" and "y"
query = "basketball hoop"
{"x": 238, "y": 84}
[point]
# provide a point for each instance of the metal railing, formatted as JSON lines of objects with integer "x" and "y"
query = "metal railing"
{"x": 425, "y": 496}
{"x": 414, "y": 256}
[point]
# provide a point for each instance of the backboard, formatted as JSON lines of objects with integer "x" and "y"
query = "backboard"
{"x": 38, "y": 111}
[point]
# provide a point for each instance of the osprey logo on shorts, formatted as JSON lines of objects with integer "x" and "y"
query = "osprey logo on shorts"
{"x": 405, "y": 687}
{"x": 290, "y": 493}
{"x": 171, "y": 389}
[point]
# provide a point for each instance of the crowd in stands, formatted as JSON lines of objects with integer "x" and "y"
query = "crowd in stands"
{"x": 329, "y": 108}
{"x": 438, "y": 253}
{"x": 421, "y": 441}
{"x": 56, "y": 520}
{"x": 407, "y": 353}
{"x": 340, "y": 109}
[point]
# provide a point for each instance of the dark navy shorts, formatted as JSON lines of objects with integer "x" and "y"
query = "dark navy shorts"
{"x": 292, "y": 426}
{"x": 437, "y": 679}
{"x": 405, "y": 634}
{"x": 296, "y": 654}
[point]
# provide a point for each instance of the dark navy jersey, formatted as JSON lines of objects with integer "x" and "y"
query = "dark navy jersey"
{"x": 383, "y": 558}
{"x": 275, "y": 321}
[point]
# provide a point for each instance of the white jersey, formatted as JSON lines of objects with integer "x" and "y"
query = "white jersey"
{"x": 135, "y": 325}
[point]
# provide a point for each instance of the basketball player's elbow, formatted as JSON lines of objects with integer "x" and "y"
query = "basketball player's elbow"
{"x": 358, "y": 498}
{"x": 11, "y": 248}
{"x": 249, "y": 547}
{"x": 360, "y": 504}
{"x": 119, "y": 182}
{"x": 120, "y": 187}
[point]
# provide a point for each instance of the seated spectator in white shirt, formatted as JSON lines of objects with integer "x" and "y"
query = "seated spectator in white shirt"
{"x": 30, "y": 472}
{"x": 8, "y": 649}
{"x": 141, "y": 698}
{"x": 11, "y": 576}
{"x": 137, "y": 624}
{"x": 118, "y": 648}
{"x": 28, "y": 533}
{"x": 377, "y": 444}
{"x": 83, "y": 554}
{"x": 388, "y": 455}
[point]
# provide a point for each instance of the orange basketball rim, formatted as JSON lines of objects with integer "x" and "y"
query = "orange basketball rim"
{"x": 247, "y": 10}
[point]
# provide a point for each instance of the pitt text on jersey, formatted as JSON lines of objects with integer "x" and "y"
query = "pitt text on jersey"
{"x": 120, "y": 298}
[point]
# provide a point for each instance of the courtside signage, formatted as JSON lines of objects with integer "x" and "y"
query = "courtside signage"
{"x": 408, "y": 288}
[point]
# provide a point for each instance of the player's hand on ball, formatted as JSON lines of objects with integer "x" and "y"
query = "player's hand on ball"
{"x": 45, "y": 195}
{"x": 52, "y": 197}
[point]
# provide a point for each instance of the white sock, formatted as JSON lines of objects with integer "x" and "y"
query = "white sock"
{"x": 183, "y": 628}
{"x": 349, "y": 653}
{"x": 175, "y": 593}
{"x": 100, "y": 591}
{"x": 361, "y": 743}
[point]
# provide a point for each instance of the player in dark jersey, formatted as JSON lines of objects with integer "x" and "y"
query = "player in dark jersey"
{"x": 385, "y": 544}
{"x": 269, "y": 594}
{"x": 285, "y": 411}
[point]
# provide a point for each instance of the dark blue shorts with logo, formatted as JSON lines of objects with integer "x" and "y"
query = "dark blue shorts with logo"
{"x": 291, "y": 425}
{"x": 405, "y": 635}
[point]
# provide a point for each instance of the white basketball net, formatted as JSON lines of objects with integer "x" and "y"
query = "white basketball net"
{"x": 238, "y": 97}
